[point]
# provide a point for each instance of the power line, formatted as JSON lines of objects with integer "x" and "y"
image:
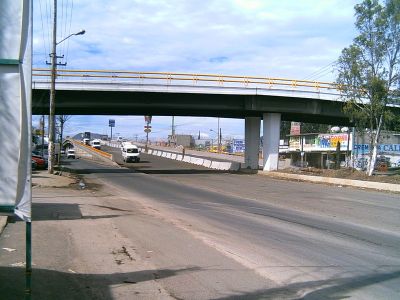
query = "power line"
{"x": 69, "y": 31}
{"x": 319, "y": 71}
{"x": 44, "y": 40}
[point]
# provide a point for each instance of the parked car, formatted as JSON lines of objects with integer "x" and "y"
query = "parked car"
{"x": 34, "y": 165}
{"x": 41, "y": 163}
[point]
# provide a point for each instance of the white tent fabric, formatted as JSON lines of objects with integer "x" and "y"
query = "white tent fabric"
{"x": 15, "y": 105}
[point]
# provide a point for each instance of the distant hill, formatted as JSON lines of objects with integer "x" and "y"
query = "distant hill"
{"x": 93, "y": 136}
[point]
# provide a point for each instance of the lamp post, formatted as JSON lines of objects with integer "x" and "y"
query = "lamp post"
{"x": 53, "y": 56}
{"x": 218, "y": 138}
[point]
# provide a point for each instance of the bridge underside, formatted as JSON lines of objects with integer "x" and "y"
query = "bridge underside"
{"x": 73, "y": 102}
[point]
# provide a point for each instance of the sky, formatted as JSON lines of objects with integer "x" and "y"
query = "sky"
{"x": 296, "y": 39}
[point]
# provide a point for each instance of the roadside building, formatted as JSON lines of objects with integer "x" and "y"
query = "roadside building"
{"x": 184, "y": 140}
{"x": 320, "y": 150}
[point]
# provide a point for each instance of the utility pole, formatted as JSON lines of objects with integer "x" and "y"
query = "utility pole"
{"x": 53, "y": 56}
{"x": 53, "y": 64}
{"x": 172, "y": 140}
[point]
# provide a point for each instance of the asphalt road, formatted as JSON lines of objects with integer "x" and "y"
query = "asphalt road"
{"x": 311, "y": 241}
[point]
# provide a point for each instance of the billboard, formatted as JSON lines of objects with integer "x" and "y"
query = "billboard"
{"x": 15, "y": 112}
{"x": 321, "y": 142}
{"x": 238, "y": 146}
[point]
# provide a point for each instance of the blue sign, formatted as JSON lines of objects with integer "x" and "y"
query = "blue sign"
{"x": 238, "y": 146}
{"x": 382, "y": 148}
{"x": 111, "y": 123}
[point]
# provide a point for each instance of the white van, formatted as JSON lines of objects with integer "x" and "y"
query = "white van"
{"x": 130, "y": 152}
{"x": 70, "y": 153}
{"x": 96, "y": 144}
{"x": 86, "y": 141}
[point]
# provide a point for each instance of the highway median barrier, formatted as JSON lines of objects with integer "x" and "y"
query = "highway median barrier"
{"x": 207, "y": 163}
{"x": 199, "y": 161}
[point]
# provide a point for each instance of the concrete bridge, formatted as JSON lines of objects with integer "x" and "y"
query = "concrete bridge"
{"x": 100, "y": 92}
{"x": 142, "y": 93}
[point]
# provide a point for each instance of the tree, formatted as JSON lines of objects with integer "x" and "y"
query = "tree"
{"x": 368, "y": 70}
{"x": 60, "y": 121}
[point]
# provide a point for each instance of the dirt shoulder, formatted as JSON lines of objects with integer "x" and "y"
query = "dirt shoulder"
{"x": 387, "y": 177}
{"x": 78, "y": 251}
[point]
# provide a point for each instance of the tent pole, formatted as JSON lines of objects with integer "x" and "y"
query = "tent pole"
{"x": 28, "y": 267}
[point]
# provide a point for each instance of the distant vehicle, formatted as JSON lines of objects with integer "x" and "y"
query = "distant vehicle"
{"x": 86, "y": 141}
{"x": 71, "y": 153}
{"x": 130, "y": 152}
{"x": 87, "y": 135}
{"x": 96, "y": 144}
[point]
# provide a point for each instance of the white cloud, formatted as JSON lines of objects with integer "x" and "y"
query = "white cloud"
{"x": 286, "y": 38}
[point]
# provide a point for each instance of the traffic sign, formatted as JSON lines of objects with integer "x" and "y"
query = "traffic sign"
{"x": 147, "y": 127}
{"x": 147, "y": 130}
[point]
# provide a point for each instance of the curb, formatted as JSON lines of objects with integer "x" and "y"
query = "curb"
{"x": 3, "y": 223}
{"x": 390, "y": 187}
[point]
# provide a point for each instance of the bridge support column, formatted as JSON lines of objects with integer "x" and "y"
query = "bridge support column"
{"x": 271, "y": 135}
{"x": 252, "y": 142}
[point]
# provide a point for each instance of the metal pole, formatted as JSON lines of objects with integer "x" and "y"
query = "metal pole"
{"x": 353, "y": 154}
{"x": 28, "y": 266}
{"x": 219, "y": 142}
{"x": 348, "y": 149}
{"x": 147, "y": 137}
{"x": 172, "y": 127}
{"x": 42, "y": 135}
{"x": 53, "y": 92}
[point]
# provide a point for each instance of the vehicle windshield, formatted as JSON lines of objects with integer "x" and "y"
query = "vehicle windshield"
{"x": 133, "y": 150}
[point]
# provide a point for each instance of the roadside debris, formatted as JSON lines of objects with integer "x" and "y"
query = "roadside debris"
{"x": 82, "y": 185}
{"x": 10, "y": 249}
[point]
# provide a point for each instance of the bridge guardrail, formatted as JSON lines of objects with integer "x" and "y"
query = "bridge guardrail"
{"x": 184, "y": 78}
{"x": 93, "y": 153}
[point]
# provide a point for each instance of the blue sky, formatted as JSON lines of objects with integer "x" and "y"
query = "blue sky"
{"x": 286, "y": 38}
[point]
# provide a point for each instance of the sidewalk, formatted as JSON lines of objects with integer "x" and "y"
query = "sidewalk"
{"x": 78, "y": 252}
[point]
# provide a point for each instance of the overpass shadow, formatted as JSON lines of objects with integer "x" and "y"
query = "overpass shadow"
{"x": 50, "y": 284}
{"x": 62, "y": 212}
{"x": 98, "y": 170}
{"x": 183, "y": 171}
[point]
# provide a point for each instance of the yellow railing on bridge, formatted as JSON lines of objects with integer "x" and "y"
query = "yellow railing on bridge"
{"x": 195, "y": 79}
{"x": 100, "y": 152}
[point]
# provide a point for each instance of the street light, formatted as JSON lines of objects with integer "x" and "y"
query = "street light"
{"x": 218, "y": 137}
{"x": 53, "y": 56}
{"x": 78, "y": 33}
